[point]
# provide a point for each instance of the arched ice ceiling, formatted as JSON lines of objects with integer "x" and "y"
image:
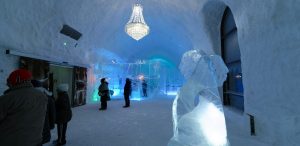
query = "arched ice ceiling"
{"x": 34, "y": 25}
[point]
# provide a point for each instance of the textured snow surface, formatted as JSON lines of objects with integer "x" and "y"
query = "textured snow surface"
{"x": 145, "y": 123}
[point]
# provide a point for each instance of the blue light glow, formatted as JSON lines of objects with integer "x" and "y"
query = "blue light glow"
{"x": 116, "y": 92}
{"x": 137, "y": 98}
{"x": 135, "y": 95}
{"x": 172, "y": 93}
{"x": 95, "y": 96}
{"x": 158, "y": 73}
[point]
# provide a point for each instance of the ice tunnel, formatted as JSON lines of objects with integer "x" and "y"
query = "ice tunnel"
{"x": 161, "y": 75}
{"x": 174, "y": 58}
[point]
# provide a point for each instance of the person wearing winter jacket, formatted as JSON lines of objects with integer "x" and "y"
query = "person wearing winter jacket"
{"x": 63, "y": 113}
{"x": 22, "y": 111}
{"x": 50, "y": 114}
{"x": 127, "y": 92}
{"x": 103, "y": 92}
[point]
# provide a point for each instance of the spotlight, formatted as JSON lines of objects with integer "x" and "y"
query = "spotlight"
{"x": 238, "y": 76}
{"x": 141, "y": 77}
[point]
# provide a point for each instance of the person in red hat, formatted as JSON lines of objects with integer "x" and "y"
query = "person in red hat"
{"x": 22, "y": 111}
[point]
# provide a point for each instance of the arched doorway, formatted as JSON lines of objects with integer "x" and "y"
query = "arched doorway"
{"x": 233, "y": 91}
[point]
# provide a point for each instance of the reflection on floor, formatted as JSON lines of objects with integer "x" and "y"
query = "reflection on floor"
{"x": 145, "y": 123}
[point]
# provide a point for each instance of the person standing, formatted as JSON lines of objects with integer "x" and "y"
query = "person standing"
{"x": 127, "y": 92}
{"x": 63, "y": 113}
{"x": 103, "y": 92}
{"x": 144, "y": 87}
{"x": 22, "y": 111}
{"x": 50, "y": 113}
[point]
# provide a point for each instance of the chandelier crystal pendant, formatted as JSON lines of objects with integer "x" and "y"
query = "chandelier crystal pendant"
{"x": 136, "y": 27}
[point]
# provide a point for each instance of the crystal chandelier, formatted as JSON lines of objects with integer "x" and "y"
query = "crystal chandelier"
{"x": 136, "y": 27}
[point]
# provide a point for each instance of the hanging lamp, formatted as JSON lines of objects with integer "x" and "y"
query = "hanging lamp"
{"x": 136, "y": 27}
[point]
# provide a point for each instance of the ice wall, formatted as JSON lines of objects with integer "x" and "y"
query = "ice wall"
{"x": 268, "y": 43}
{"x": 162, "y": 77}
{"x": 197, "y": 109}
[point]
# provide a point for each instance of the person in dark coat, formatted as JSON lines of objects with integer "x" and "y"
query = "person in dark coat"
{"x": 63, "y": 113}
{"x": 50, "y": 114}
{"x": 103, "y": 92}
{"x": 127, "y": 92}
{"x": 144, "y": 87}
{"x": 22, "y": 112}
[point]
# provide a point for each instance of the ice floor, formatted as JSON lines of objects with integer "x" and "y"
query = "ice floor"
{"x": 145, "y": 123}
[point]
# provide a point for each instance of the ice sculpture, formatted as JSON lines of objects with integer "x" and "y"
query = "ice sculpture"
{"x": 198, "y": 118}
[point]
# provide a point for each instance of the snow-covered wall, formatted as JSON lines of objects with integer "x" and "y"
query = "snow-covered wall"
{"x": 268, "y": 35}
{"x": 8, "y": 63}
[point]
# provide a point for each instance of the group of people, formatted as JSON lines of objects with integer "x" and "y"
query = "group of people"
{"x": 104, "y": 93}
{"x": 28, "y": 112}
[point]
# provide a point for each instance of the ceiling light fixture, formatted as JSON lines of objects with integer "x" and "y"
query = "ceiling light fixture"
{"x": 136, "y": 27}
